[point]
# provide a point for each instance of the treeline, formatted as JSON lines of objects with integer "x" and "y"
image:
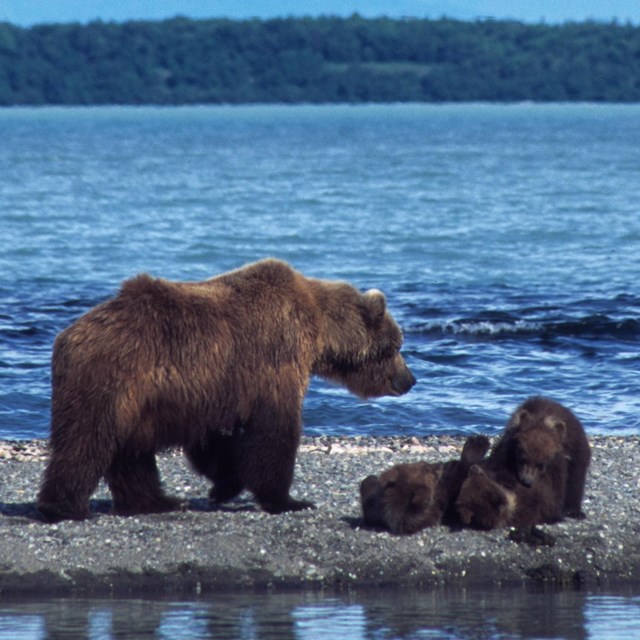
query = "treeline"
{"x": 182, "y": 61}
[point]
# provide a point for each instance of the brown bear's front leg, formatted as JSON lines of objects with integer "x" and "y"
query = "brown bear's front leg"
{"x": 267, "y": 447}
{"x": 134, "y": 482}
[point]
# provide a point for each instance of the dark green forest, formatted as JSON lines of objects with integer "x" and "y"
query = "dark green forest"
{"x": 182, "y": 61}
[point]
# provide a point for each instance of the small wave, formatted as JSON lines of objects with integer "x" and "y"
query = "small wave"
{"x": 595, "y": 327}
{"x": 476, "y": 327}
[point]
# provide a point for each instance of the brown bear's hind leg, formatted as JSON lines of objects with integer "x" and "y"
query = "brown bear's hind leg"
{"x": 66, "y": 489}
{"x": 134, "y": 482}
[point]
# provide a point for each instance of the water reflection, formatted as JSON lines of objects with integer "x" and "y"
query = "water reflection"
{"x": 364, "y": 615}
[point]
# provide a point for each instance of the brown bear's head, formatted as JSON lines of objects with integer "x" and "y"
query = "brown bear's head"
{"x": 407, "y": 496}
{"x": 536, "y": 444}
{"x": 483, "y": 503}
{"x": 362, "y": 346}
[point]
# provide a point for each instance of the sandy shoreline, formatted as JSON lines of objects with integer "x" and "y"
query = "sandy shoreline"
{"x": 237, "y": 546}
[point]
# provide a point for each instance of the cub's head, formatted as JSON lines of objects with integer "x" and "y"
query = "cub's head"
{"x": 362, "y": 345}
{"x": 408, "y": 496}
{"x": 483, "y": 503}
{"x": 402, "y": 498}
{"x": 536, "y": 444}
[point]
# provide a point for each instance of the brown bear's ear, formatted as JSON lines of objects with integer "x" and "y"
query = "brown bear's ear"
{"x": 376, "y": 305}
{"x": 475, "y": 470}
{"x": 559, "y": 426}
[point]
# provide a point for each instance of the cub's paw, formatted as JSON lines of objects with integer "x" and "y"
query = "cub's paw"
{"x": 475, "y": 449}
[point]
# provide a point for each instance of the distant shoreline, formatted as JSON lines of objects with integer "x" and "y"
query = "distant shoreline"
{"x": 317, "y": 60}
{"x": 239, "y": 547}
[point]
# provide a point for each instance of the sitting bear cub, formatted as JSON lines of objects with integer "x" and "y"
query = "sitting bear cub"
{"x": 535, "y": 474}
{"x": 218, "y": 367}
{"x": 542, "y": 436}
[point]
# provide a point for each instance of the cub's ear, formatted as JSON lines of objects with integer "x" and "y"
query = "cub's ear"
{"x": 559, "y": 426}
{"x": 375, "y": 304}
{"x": 518, "y": 418}
{"x": 370, "y": 485}
{"x": 389, "y": 477}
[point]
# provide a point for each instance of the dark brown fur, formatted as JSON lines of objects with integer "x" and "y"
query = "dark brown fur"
{"x": 404, "y": 498}
{"x": 218, "y": 367}
{"x": 484, "y": 503}
{"x": 409, "y": 497}
{"x": 542, "y": 436}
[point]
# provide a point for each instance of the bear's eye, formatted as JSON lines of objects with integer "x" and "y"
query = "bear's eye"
{"x": 390, "y": 484}
{"x": 386, "y": 350}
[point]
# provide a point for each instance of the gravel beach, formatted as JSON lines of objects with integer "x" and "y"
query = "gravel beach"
{"x": 205, "y": 548}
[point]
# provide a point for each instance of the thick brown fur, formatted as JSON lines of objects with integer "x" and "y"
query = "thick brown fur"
{"x": 409, "y": 497}
{"x": 218, "y": 367}
{"x": 544, "y": 437}
{"x": 483, "y": 503}
{"x": 404, "y": 498}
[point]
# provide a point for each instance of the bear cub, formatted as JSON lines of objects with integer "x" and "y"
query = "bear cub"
{"x": 536, "y": 472}
{"x": 409, "y": 497}
{"x": 484, "y": 503}
{"x": 545, "y": 437}
{"x": 219, "y": 368}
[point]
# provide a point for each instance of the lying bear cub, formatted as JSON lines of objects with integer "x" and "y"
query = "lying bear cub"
{"x": 409, "y": 497}
{"x": 535, "y": 474}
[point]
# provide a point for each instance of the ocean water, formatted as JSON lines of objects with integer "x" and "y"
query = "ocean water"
{"x": 506, "y": 238}
{"x": 507, "y": 241}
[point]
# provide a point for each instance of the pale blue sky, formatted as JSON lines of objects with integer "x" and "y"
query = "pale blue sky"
{"x": 28, "y": 12}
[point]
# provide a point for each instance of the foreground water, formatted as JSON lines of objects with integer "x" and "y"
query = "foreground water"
{"x": 363, "y": 616}
{"x": 505, "y": 237}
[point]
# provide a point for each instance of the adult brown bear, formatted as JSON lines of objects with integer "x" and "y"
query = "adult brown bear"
{"x": 219, "y": 367}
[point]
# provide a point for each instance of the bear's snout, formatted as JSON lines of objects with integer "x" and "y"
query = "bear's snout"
{"x": 526, "y": 477}
{"x": 402, "y": 380}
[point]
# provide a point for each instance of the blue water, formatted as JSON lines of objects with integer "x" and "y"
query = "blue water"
{"x": 439, "y": 615}
{"x": 506, "y": 238}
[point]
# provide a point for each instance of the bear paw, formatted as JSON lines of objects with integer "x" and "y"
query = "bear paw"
{"x": 532, "y": 536}
{"x": 290, "y": 505}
